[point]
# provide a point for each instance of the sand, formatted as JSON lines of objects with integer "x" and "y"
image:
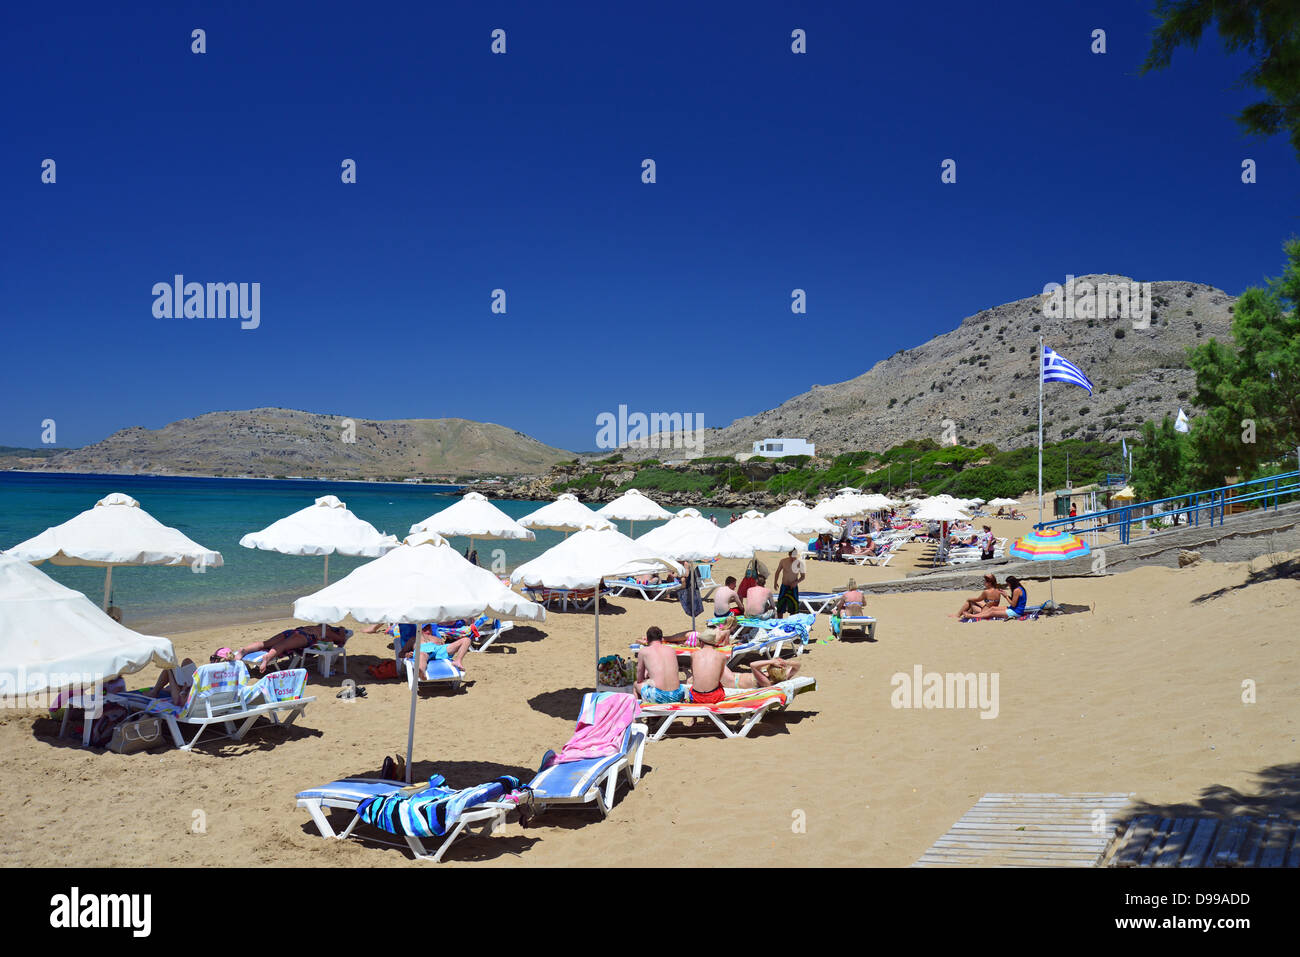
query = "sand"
{"x": 1138, "y": 688}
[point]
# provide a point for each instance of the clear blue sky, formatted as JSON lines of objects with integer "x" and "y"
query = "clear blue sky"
{"x": 523, "y": 172}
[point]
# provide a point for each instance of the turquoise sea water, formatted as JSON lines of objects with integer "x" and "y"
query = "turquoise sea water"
{"x": 216, "y": 513}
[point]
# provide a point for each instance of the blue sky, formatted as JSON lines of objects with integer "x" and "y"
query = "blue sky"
{"x": 522, "y": 172}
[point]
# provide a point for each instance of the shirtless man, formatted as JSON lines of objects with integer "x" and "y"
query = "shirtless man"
{"x": 762, "y": 674}
{"x": 758, "y": 599}
{"x": 725, "y": 598}
{"x": 789, "y": 573}
{"x": 990, "y": 597}
{"x": 289, "y": 641}
{"x": 657, "y": 677}
{"x": 707, "y": 667}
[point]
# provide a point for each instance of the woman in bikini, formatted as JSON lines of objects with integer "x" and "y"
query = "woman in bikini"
{"x": 1017, "y": 598}
{"x": 762, "y": 674}
{"x": 990, "y": 597}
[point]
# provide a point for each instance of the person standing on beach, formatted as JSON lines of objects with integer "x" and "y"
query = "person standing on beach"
{"x": 789, "y": 573}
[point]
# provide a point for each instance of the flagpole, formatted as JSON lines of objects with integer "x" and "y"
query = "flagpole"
{"x": 1040, "y": 430}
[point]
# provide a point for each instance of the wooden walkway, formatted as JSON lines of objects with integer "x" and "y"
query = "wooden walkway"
{"x": 1031, "y": 830}
{"x": 1153, "y": 841}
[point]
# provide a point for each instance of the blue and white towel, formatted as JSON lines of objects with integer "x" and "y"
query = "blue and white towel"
{"x": 433, "y": 811}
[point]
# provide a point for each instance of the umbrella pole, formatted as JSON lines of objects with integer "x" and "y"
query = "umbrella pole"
{"x": 108, "y": 584}
{"x": 597, "y": 619}
{"x": 415, "y": 684}
{"x": 327, "y": 569}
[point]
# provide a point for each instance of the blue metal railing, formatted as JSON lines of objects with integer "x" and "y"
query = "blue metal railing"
{"x": 1212, "y": 503}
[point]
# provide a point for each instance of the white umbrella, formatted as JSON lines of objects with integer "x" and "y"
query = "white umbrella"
{"x": 473, "y": 517}
{"x": 584, "y": 559}
{"x": 566, "y": 514}
{"x": 752, "y": 513}
{"x": 1002, "y": 502}
{"x": 634, "y": 506}
{"x": 413, "y": 584}
{"x": 798, "y": 519}
{"x": 53, "y": 637}
{"x": 689, "y": 537}
{"x": 937, "y": 511}
{"x": 762, "y": 535}
{"x": 323, "y": 528}
{"x": 116, "y": 531}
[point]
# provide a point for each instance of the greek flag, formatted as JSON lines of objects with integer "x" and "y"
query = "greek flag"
{"x": 1056, "y": 369}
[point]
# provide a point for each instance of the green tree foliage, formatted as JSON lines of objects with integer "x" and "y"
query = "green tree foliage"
{"x": 1255, "y": 378}
{"x": 1267, "y": 30}
{"x": 1160, "y": 467}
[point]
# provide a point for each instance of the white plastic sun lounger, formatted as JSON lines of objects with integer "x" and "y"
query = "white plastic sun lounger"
{"x": 349, "y": 794}
{"x": 575, "y": 783}
{"x": 816, "y": 602}
{"x": 221, "y": 694}
{"x": 621, "y": 586}
{"x": 437, "y": 671}
{"x": 744, "y": 709}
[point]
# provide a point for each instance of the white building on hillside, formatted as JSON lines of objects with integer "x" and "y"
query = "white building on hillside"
{"x": 775, "y": 448}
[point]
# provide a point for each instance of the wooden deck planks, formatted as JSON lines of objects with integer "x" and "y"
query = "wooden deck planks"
{"x": 1030, "y": 830}
{"x": 1239, "y": 841}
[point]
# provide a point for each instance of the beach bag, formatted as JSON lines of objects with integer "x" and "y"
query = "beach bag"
{"x": 139, "y": 735}
{"x": 101, "y": 732}
{"x": 385, "y": 669}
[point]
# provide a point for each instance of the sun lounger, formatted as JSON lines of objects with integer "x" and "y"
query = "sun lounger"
{"x": 222, "y": 694}
{"x": 481, "y": 632}
{"x": 324, "y": 655}
{"x": 816, "y": 601}
{"x": 437, "y": 671}
{"x": 864, "y": 622}
{"x": 743, "y": 708}
{"x": 351, "y": 793}
{"x": 621, "y": 586}
{"x": 593, "y": 779}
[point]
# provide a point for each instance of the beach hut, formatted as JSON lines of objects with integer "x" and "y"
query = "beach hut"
{"x": 53, "y": 638}
{"x": 473, "y": 517}
{"x": 414, "y": 584}
{"x": 634, "y": 506}
{"x": 586, "y": 559}
{"x": 116, "y": 531}
{"x": 325, "y": 527}
{"x": 566, "y": 514}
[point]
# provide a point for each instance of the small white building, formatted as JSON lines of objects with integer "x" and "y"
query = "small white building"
{"x": 775, "y": 448}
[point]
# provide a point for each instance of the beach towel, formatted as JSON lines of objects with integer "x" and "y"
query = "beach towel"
{"x": 743, "y": 701}
{"x": 277, "y": 686}
{"x": 432, "y": 811}
{"x": 209, "y": 680}
{"x": 602, "y": 723}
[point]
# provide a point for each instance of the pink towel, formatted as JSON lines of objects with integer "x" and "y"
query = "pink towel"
{"x": 603, "y": 736}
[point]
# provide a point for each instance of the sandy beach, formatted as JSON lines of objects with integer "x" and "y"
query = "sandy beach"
{"x": 1136, "y": 688}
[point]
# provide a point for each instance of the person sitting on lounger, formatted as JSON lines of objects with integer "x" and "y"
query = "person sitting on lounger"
{"x": 291, "y": 640}
{"x": 707, "y": 666}
{"x": 657, "y": 678}
{"x": 725, "y": 599}
{"x": 758, "y": 599}
{"x": 990, "y": 597}
{"x": 438, "y": 648}
{"x": 175, "y": 683}
{"x": 762, "y": 674}
{"x": 849, "y": 604}
{"x": 1017, "y": 597}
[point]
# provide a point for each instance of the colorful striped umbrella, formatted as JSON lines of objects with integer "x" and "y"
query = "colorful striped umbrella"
{"x": 1049, "y": 545}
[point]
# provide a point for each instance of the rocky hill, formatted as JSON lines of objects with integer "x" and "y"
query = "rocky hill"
{"x": 983, "y": 376}
{"x": 285, "y": 442}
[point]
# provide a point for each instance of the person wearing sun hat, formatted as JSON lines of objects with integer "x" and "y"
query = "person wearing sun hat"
{"x": 707, "y": 666}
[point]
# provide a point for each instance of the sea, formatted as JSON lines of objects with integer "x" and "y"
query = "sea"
{"x": 251, "y": 585}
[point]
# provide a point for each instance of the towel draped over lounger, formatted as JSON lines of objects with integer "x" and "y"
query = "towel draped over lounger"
{"x": 432, "y": 811}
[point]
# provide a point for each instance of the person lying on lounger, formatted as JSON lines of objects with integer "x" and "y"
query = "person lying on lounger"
{"x": 762, "y": 674}
{"x": 990, "y": 597}
{"x": 438, "y": 648}
{"x": 657, "y": 677}
{"x": 175, "y": 683}
{"x": 1017, "y": 597}
{"x": 290, "y": 640}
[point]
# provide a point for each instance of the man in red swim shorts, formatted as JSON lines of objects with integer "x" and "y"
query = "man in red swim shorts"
{"x": 707, "y": 664}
